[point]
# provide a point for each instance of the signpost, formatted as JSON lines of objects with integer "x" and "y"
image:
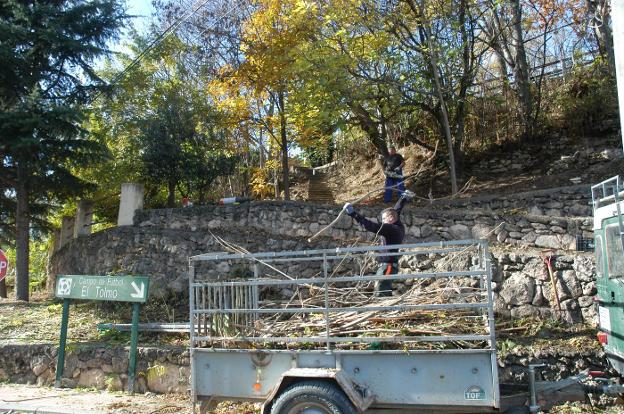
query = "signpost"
{"x": 4, "y": 265}
{"x": 110, "y": 288}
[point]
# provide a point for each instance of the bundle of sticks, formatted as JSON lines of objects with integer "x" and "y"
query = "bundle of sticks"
{"x": 348, "y": 315}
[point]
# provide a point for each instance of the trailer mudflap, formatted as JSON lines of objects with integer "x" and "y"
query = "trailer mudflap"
{"x": 357, "y": 394}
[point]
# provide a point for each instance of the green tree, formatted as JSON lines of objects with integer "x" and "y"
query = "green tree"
{"x": 160, "y": 127}
{"x": 47, "y": 50}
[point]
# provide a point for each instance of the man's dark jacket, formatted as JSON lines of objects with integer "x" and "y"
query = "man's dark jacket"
{"x": 390, "y": 233}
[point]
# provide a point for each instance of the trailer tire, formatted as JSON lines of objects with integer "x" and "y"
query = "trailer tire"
{"x": 312, "y": 397}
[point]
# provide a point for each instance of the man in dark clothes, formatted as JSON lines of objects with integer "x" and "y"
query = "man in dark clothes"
{"x": 392, "y": 231}
{"x": 393, "y": 169}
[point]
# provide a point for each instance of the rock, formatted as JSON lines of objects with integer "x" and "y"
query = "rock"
{"x": 502, "y": 236}
{"x": 114, "y": 383}
{"x": 167, "y": 378}
{"x": 530, "y": 237}
{"x": 414, "y": 231}
{"x": 426, "y": 231}
{"x": 460, "y": 232}
{"x": 589, "y": 315}
{"x": 518, "y": 289}
{"x": 92, "y": 378}
{"x": 548, "y": 241}
{"x": 538, "y": 300}
{"x": 524, "y": 311}
{"x": 46, "y": 378}
{"x": 571, "y": 283}
{"x": 585, "y": 301}
{"x": 40, "y": 368}
{"x": 589, "y": 289}
{"x": 68, "y": 383}
{"x": 584, "y": 268}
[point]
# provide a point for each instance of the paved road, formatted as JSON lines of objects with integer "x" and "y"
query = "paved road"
{"x": 16, "y": 398}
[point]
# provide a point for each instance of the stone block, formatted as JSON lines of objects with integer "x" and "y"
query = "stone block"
{"x": 167, "y": 378}
{"x": 548, "y": 241}
{"x": 92, "y": 378}
{"x": 518, "y": 289}
{"x": 460, "y": 232}
{"x": 524, "y": 311}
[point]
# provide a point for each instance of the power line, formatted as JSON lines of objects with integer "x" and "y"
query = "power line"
{"x": 153, "y": 44}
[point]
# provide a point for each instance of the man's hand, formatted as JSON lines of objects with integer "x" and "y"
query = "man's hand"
{"x": 348, "y": 208}
{"x": 408, "y": 195}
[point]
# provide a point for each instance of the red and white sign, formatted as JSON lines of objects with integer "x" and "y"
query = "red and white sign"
{"x": 4, "y": 265}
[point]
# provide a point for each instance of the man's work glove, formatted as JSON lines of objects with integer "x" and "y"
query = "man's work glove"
{"x": 408, "y": 195}
{"x": 348, "y": 208}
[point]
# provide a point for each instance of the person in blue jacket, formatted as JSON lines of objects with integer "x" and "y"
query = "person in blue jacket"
{"x": 393, "y": 170}
{"x": 391, "y": 232}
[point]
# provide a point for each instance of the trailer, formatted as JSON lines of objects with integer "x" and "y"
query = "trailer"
{"x": 239, "y": 301}
{"x": 331, "y": 359}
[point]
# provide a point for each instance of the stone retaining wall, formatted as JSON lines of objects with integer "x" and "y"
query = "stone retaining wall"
{"x": 572, "y": 201}
{"x": 167, "y": 370}
{"x": 288, "y": 220}
{"x": 160, "y": 242}
{"x": 161, "y": 370}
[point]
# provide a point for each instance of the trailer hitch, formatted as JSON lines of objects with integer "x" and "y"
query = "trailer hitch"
{"x": 609, "y": 387}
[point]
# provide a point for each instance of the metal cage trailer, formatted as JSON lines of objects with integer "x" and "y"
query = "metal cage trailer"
{"x": 332, "y": 360}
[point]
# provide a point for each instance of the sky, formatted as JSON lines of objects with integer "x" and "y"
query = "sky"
{"x": 141, "y": 8}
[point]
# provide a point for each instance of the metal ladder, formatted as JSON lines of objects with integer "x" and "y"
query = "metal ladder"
{"x": 606, "y": 192}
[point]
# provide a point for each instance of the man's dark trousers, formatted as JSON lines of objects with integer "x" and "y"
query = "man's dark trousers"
{"x": 383, "y": 287}
{"x": 391, "y": 182}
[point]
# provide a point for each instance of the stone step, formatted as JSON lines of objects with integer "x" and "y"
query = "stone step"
{"x": 318, "y": 190}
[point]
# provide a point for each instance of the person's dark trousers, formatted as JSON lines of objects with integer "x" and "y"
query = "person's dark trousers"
{"x": 383, "y": 287}
{"x": 390, "y": 182}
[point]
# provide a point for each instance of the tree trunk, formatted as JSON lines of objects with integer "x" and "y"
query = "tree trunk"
{"x": 3, "y": 289}
{"x": 22, "y": 228}
{"x": 433, "y": 61}
{"x": 171, "y": 202}
{"x": 601, "y": 22}
{"x": 368, "y": 125}
{"x": 284, "y": 145}
{"x": 521, "y": 71}
{"x": 466, "y": 81}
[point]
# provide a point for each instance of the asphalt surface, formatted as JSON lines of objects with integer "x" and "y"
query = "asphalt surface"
{"x": 16, "y": 398}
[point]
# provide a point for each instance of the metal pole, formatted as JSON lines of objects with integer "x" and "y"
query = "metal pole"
{"x": 133, "y": 346}
{"x": 192, "y": 332}
{"x": 533, "y": 408}
{"x": 326, "y": 302}
{"x": 61, "y": 351}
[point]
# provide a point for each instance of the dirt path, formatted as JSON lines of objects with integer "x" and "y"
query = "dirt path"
{"x": 16, "y": 398}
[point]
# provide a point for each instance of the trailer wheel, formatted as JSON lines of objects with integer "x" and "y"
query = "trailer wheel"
{"x": 312, "y": 397}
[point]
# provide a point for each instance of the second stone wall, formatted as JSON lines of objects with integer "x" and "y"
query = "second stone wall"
{"x": 161, "y": 241}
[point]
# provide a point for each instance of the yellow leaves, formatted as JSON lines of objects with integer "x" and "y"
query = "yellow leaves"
{"x": 260, "y": 186}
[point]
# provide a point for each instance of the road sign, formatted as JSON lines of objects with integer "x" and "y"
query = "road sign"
{"x": 109, "y": 288}
{"x": 4, "y": 265}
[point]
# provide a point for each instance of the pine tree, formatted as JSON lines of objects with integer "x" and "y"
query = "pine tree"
{"x": 47, "y": 49}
